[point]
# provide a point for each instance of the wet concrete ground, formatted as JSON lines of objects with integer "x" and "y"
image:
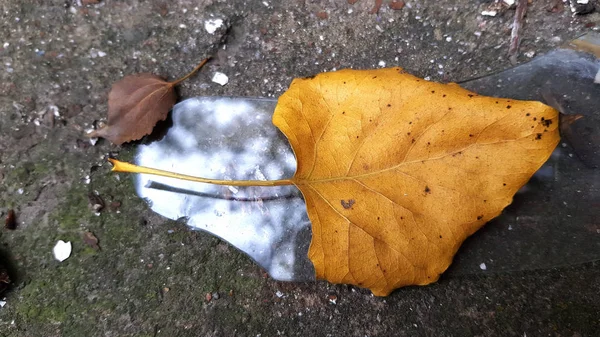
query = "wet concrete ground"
{"x": 153, "y": 277}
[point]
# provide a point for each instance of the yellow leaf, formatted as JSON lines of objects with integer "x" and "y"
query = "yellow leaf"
{"x": 397, "y": 171}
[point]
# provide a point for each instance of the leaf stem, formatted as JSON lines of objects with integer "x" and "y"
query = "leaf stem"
{"x": 176, "y": 82}
{"x": 119, "y": 166}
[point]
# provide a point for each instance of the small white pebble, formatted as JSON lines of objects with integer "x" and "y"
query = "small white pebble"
{"x": 5, "y": 45}
{"x": 597, "y": 79}
{"x": 20, "y": 191}
{"x": 379, "y": 28}
{"x": 478, "y": 33}
{"x": 530, "y": 54}
{"x": 510, "y": 227}
{"x": 2, "y": 304}
{"x": 182, "y": 26}
{"x": 212, "y": 25}
{"x": 279, "y": 294}
{"x": 489, "y": 13}
{"x": 483, "y": 266}
{"x": 448, "y": 38}
{"x": 220, "y": 78}
{"x": 583, "y": 2}
{"x": 381, "y": 63}
{"x": 509, "y": 2}
{"x": 62, "y": 250}
{"x": 101, "y": 53}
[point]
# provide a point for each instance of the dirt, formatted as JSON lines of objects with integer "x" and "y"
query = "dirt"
{"x": 151, "y": 276}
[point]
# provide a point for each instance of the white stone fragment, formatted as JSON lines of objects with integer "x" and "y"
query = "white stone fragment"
{"x": 212, "y": 25}
{"x": 483, "y": 266}
{"x": 509, "y": 2}
{"x": 597, "y": 79}
{"x": 220, "y": 78}
{"x": 489, "y": 13}
{"x": 381, "y": 63}
{"x": 62, "y": 250}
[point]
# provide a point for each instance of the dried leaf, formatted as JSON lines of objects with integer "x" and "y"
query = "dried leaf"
{"x": 397, "y": 172}
{"x": 91, "y": 240}
{"x": 10, "y": 222}
{"x": 136, "y": 103}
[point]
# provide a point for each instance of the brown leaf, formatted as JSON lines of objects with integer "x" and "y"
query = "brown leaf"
{"x": 397, "y": 172}
{"x": 377, "y": 7}
{"x": 10, "y": 222}
{"x": 91, "y": 240}
{"x": 136, "y": 103}
{"x": 397, "y": 4}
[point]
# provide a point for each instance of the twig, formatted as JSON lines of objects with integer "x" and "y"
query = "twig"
{"x": 515, "y": 38}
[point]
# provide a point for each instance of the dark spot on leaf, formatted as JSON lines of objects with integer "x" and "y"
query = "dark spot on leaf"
{"x": 528, "y": 114}
{"x": 427, "y": 189}
{"x": 538, "y": 136}
{"x": 440, "y": 236}
{"x": 374, "y": 77}
{"x": 389, "y": 105}
{"x": 479, "y": 217}
{"x": 546, "y": 122}
{"x": 343, "y": 112}
{"x": 408, "y": 133}
{"x": 401, "y": 218}
{"x": 412, "y": 140}
{"x": 470, "y": 95}
{"x": 470, "y": 135}
{"x": 496, "y": 102}
{"x": 310, "y": 77}
{"x": 378, "y": 218}
{"x": 347, "y": 204}
{"x": 503, "y": 184}
{"x": 409, "y": 122}
{"x": 534, "y": 118}
{"x": 444, "y": 95}
{"x": 428, "y": 143}
{"x": 484, "y": 200}
{"x": 433, "y": 91}
{"x": 508, "y": 106}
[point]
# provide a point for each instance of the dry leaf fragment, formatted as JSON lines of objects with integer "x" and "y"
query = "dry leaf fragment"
{"x": 397, "y": 172}
{"x": 91, "y": 240}
{"x": 136, "y": 103}
{"x": 10, "y": 222}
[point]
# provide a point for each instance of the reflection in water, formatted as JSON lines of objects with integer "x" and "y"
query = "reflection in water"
{"x": 552, "y": 222}
{"x": 229, "y": 138}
